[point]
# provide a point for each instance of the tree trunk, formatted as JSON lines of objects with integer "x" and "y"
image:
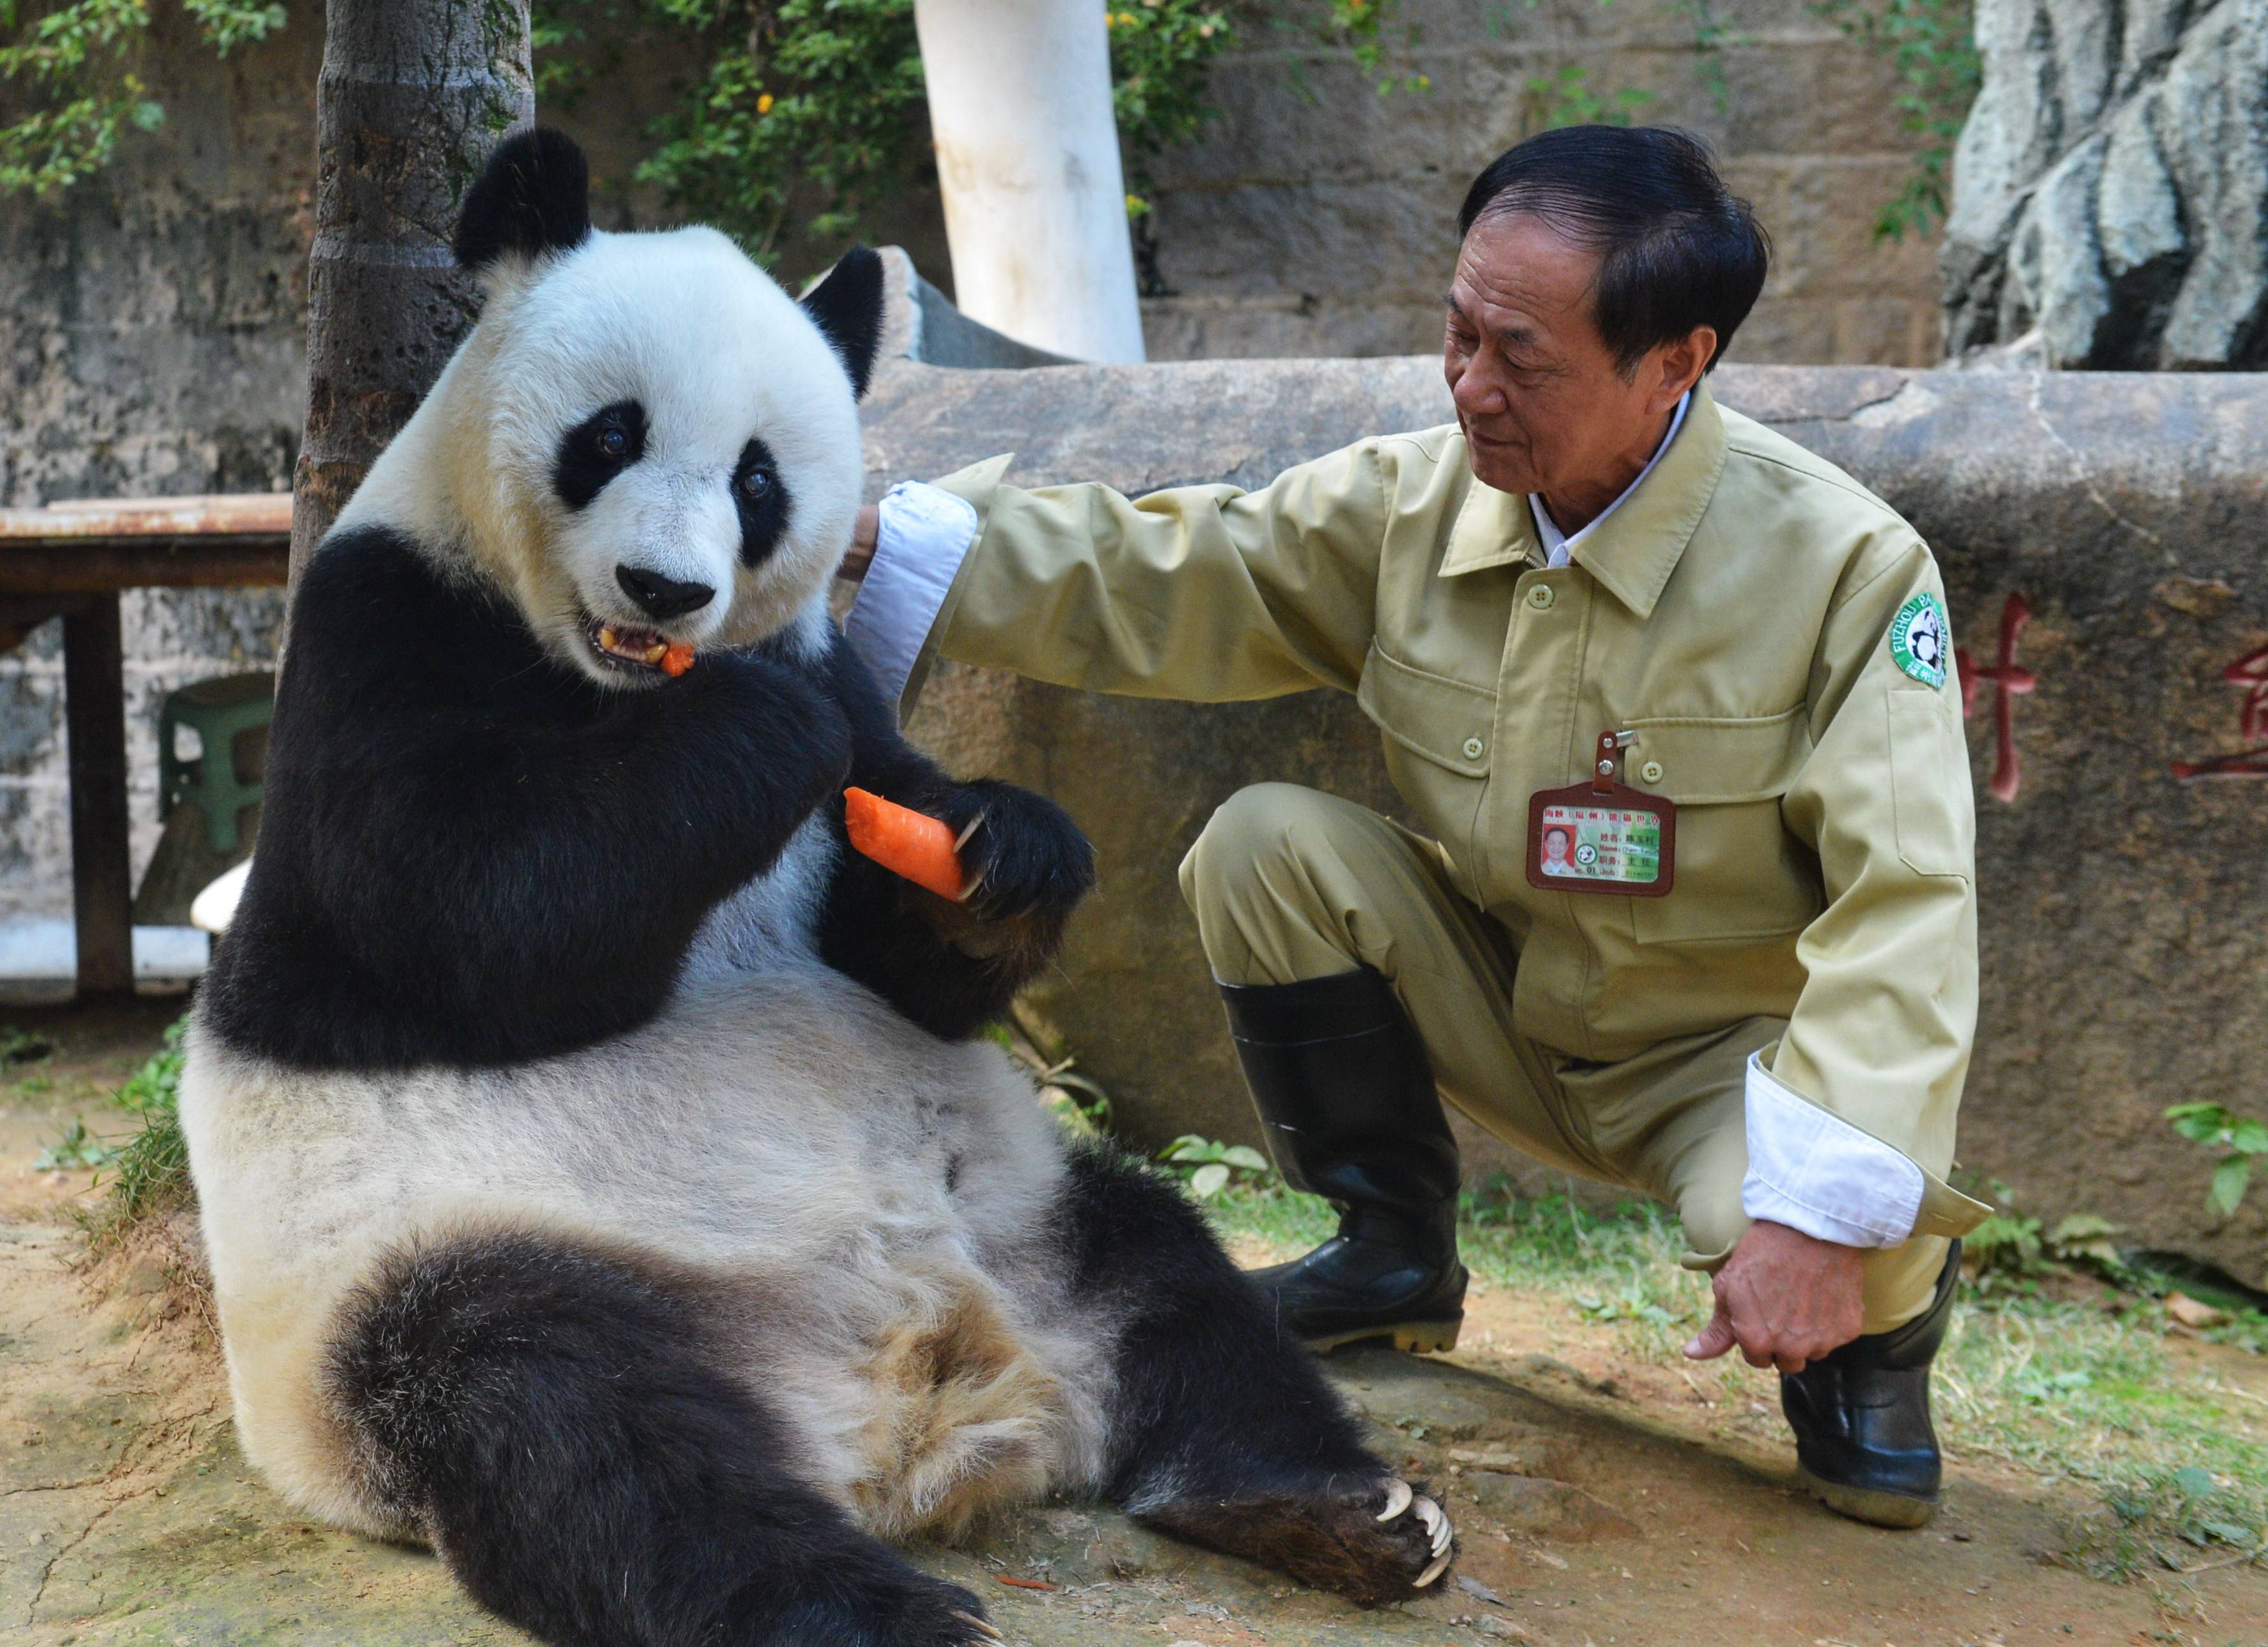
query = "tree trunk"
{"x": 414, "y": 95}
{"x": 2111, "y": 191}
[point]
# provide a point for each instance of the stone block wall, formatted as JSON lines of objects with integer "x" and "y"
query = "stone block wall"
{"x": 1317, "y": 217}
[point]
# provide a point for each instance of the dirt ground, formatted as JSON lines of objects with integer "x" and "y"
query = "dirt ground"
{"x": 1599, "y": 1500}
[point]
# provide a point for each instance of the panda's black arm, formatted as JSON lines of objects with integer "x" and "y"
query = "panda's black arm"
{"x": 469, "y": 855}
{"x": 952, "y": 968}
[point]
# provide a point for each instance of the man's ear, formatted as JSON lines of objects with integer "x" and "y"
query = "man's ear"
{"x": 847, "y": 305}
{"x": 1683, "y": 362}
{"x": 533, "y": 196}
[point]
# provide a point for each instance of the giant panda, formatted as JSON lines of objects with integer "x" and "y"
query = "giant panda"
{"x": 604, "y": 1175}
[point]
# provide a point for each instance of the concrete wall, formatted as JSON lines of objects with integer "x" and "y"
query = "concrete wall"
{"x": 152, "y": 341}
{"x": 2124, "y": 911}
{"x": 1322, "y": 221}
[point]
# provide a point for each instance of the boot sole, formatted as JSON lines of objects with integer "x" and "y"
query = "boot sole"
{"x": 1412, "y": 1338}
{"x": 1871, "y": 1504}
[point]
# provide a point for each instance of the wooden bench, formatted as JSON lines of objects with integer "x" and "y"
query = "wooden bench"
{"x": 71, "y": 560}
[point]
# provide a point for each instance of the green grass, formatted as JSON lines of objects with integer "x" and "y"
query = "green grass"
{"x": 147, "y": 1172}
{"x": 2066, "y": 1390}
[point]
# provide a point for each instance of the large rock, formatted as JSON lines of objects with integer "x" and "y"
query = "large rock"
{"x": 2124, "y": 908}
{"x": 2110, "y": 184}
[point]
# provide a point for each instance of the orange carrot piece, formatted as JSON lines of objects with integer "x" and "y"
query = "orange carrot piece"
{"x": 904, "y": 842}
{"x": 1025, "y": 1583}
{"x": 677, "y": 660}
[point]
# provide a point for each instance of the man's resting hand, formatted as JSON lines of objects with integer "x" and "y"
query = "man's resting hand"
{"x": 1785, "y": 1297}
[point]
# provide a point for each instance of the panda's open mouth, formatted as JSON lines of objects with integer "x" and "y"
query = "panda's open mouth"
{"x": 636, "y": 647}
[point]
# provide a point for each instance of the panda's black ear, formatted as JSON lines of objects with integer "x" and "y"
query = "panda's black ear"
{"x": 533, "y": 196}
{"x": 847, "y": 305}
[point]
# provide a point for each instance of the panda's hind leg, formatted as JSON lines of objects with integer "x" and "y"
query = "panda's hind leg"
{"x": 1226, "y": 1433}
{"x": 552, "y": 1416}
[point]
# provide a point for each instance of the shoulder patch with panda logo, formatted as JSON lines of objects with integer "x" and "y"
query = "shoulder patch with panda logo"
{"x": 1919, "y": 638}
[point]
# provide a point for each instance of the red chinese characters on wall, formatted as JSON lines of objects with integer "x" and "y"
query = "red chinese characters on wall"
{"x": 2250, "y": 673}
{"x": 2010, "y": 682}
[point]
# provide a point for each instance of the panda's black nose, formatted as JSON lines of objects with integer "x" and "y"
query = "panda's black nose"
{"x": 662, "y": 598}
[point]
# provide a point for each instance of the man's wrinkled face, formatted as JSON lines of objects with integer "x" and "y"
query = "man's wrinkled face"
{"x": 1544, "y": 406}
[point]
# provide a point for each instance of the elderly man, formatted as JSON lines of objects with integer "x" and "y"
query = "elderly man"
{"x": 1693, "y": 911}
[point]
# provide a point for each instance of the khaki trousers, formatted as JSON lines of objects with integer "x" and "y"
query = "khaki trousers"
{"x": 1289, "y": 885}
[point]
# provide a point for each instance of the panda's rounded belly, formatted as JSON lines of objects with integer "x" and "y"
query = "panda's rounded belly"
{"x": 888, "y": 1196}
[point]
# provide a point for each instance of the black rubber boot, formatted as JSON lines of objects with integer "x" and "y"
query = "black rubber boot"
{"x": 1347, "y": 1098}
{"x": 1861, "y": 1418}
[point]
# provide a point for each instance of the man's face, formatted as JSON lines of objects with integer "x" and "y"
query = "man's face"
{"x": 1538, "y": 394}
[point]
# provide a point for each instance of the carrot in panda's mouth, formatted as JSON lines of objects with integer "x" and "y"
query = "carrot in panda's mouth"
{"x": 647, "y": 648}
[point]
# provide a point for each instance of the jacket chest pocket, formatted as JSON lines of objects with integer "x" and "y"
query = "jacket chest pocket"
{"x": 1741, "y": 875}
{"x": 1440, "y": 738}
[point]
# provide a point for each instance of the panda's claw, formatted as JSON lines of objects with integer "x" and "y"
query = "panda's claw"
{"x": 982, "y": 1626}
{"x": 1440, "y": 1565}
{"x": 1399, "y": 1496}
{"x": 1437, "y": 1524}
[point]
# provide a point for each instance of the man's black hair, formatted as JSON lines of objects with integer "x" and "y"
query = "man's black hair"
{"x": 1677, "y": 248}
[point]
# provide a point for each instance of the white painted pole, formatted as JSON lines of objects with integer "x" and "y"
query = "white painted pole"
{"x": 1027, "y": 155}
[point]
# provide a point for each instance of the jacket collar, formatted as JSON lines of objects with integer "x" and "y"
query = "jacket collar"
{"x": 1633, "y": 551}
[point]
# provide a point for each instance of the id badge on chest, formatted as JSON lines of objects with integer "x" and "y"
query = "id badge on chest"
{"x": 1602, "y": 835}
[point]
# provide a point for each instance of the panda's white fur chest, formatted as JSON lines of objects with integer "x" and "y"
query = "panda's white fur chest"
{"x": 884, "y": 1195}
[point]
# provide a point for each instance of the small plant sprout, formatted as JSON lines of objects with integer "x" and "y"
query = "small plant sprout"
{"x": 2240, "y": 1137}
{"x": 1209, "y": 1167}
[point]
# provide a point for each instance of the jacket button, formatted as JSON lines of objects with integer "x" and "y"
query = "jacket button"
{"x": 1540, "y": 596}
{"x": 1472, "y": 749}
{"x": 1651, "y": 772}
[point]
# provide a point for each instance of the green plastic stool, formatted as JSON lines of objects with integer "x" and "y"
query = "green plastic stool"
{"x": 220, "y": 710}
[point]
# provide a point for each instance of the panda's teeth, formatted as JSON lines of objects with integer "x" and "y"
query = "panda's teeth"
{"x": 654, "y": 653}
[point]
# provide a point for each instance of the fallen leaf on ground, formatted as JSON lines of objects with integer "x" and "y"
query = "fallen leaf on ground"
{"x": 2192, "y": 1312}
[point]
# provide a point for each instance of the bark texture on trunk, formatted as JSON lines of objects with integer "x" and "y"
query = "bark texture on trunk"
{"x": 2110, "y": 190}
{"x": 414, "y": 94}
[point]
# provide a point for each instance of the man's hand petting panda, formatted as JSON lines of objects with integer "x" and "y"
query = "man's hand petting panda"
{"x": 1025, "y": 859}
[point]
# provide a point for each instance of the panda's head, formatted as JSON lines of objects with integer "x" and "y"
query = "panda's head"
{"x": 651, "y": 444}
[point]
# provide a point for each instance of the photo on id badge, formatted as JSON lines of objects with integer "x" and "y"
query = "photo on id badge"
{"x": 1616, "y": 843}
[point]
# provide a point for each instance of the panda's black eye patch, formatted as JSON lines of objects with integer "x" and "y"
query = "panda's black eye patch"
{"x": 596, "y": 450}
{"x": 761, "y": 496}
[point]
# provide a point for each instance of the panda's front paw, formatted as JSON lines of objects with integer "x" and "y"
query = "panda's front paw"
{"x": 1025, "y": 859}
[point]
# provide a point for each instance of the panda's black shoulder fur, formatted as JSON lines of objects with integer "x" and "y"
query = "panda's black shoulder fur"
{"x": 468, "y": 854}
{"x": 471, "y": 855}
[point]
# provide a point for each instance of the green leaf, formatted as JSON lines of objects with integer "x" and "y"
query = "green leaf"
{"x": 2230, "y": 1179}
{"x": 2193, "y": 1482}
{"x": 2230, "y": 1532}
{"x": 2249, "y": 1137}
{"x": 2201, "y": 1123}
{"x": 1188, "y": 1147}
{"x": 1245, "y": 1157}
{"x": 1208, "y": 1181}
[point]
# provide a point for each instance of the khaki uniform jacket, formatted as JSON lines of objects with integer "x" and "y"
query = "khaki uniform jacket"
{"x": 1733, "y": 612}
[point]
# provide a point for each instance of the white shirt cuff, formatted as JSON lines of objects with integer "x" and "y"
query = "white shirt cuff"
{"x": 1812, "y": 1170}
{"x": 926, "y": 533}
